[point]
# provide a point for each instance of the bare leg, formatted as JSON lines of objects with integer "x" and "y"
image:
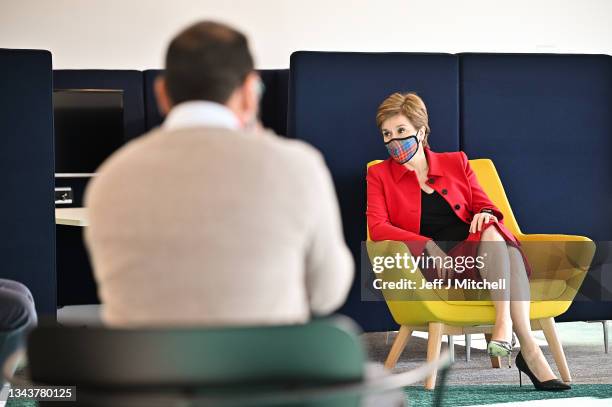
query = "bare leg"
{"x": 519, "y": 309}
{"x": 497, "y": 266}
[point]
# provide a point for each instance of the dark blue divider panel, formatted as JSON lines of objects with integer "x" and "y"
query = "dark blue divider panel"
{"x": 545, "y": 121}
{"x": 152, "y": 116}
{"x": 129, "y": 81}
{"x": 75, "y": 281}
{"x": 333, "y": 98}
{"x": 273, "y": 108}
{"x": 27, "y": 246}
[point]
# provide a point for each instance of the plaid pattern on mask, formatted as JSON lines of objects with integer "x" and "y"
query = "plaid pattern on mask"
{"x": 402, "y": 150}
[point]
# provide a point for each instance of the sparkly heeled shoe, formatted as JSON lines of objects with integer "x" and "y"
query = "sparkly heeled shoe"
{"x": 502, "y": 349}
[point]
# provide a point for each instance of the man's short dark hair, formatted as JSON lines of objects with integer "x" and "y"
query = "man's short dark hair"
{"x": 207, "y": 61}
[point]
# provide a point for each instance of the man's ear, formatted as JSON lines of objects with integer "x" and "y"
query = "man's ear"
{"x": 164, "y": 103}
{"x": 250, "y": 92}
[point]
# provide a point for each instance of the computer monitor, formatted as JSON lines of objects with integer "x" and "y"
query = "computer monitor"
{"x": 88, "y": 128}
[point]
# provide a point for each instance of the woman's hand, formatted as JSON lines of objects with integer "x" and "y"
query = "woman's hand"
{"x": 433, "y": 250}
{"x": 479, "y": 220}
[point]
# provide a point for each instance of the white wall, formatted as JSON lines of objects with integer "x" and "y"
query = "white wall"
{"x": 132, "y": 34}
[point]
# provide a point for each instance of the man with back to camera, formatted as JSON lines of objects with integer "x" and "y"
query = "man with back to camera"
{"x": 209, "y": 220}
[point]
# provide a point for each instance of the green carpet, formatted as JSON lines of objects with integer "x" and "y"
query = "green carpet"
{"x": 491, "y": 394}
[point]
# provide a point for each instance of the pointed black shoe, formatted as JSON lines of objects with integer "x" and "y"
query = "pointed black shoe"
{"x": 548, "y": 385}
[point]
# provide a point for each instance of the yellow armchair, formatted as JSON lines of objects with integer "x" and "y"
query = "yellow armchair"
{"x": 559, "y": 264}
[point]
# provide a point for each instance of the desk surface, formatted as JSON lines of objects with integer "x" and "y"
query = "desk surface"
{"x": 71, "y": 216}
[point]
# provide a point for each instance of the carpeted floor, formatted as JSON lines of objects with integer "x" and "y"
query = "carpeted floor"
{"x": 476, "y": 383}
{"x": 582, "y": 342}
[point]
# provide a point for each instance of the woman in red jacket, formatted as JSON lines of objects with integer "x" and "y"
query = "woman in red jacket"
{"x": 434, "y": 203}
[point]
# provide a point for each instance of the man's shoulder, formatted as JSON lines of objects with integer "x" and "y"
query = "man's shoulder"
{"x": 274, "y": 146}
{"x": 210, "y": 144}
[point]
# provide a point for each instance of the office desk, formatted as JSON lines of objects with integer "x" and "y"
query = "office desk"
{"x": 71, "y": 216}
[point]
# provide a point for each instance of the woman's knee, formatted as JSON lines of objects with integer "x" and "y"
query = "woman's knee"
{"x": 491, "y": 234}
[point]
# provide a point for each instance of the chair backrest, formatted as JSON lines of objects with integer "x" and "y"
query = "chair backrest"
{"x": 322, "y": 351}
{"x": 491, "y": 183}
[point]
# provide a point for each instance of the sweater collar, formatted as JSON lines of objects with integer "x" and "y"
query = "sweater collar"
{"x": 201, "y": 113}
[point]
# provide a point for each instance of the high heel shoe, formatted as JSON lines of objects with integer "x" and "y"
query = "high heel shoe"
{"x": 548, "y": 385}
{"x": 502, "y": 349}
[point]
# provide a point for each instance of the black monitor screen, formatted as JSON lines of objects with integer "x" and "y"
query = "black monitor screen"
{"x": 88, "y": 128}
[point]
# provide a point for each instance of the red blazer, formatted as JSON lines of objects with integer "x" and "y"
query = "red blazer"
{"x": 394, "y": 198}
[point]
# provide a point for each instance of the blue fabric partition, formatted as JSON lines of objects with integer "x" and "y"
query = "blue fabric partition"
{"x": 76, "y": 283}
{"x": 333, "y": 98}
{"x": 130, "y": 81}
{"x": 546, "y": 122}
{"x": 152, "y": 116}
{"x": 273, "y": 108}
{"x": 27, "y": 247}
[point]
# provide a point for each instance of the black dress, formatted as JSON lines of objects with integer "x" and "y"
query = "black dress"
{"x": 439, "y": 222}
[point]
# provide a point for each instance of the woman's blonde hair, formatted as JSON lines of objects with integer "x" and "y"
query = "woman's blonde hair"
{"x": 407, "y": 104}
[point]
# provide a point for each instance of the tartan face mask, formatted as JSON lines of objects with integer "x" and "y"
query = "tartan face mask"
{"x": 403, "y": 149}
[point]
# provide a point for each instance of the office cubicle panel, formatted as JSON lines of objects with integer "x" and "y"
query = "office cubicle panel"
{"x": 333, "y": 99}
{"x": 75, "y": 277}
{"x": 129, "y": 81}
{"x": 545, "y": 121}
{"x": 27, "y": 246}
{"x": 273, "y": 107}
{"x": 153, "y": 117}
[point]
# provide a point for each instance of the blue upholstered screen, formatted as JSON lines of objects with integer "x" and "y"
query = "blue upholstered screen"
{"x": 129, "y": 81}
{"x": 546, "y": 122}
{"x": 332, "y": 105}
{"x": 273, "y": 108}
{"x": 76, "y": 284}
{"x": 152, "y": 116}
{"x": 27, "y": 245}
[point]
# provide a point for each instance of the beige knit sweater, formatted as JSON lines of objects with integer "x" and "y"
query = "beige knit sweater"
{"x": 211, "y": 226}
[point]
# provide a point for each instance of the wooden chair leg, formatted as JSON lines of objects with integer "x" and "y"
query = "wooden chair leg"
{"x": 434, "y": 342}
{"x": 495, "y": 360}
{"x": 398, "y": 346}
{"x": 550, "y": 332}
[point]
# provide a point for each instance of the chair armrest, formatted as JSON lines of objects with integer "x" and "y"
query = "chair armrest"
{"x": 549, "y": 237}
{"x": 559, "y": 257}
{"x": 575, "y": 251}
{"x": 381, "y": 383}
